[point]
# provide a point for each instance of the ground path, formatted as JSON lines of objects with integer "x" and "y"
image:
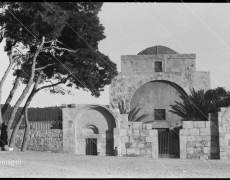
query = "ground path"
{"x": 45, "y": 165}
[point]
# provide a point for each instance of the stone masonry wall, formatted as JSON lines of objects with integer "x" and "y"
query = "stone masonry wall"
{"x": 137, "y": 140}
{"x": 224, "y": 132}
{"x": 42, "y": 140}
{"x": 199, "y": 139}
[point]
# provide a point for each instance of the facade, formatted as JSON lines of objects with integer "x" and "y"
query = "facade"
{"x": 155, "y": 79}
{"x": 148, "y": 82}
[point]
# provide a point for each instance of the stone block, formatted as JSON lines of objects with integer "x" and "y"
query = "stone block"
{"x": 123, "y": 145}
{"x": 123, "y": 150}
{"x": 153, "y": 132}
{"x": 190, "y": 150}
{"x": 137, "y": 151}
{"x": 149, "y": 139}
{"x": 205, "y": 131}
{"x": 148, "y": 145}
{"x": 223, "y": 156}
{"x": 123, "y": 132}
{"x": 125, "y": 139}
{"x": 199, "y": 124}
{"x": 184, "y": 132}
{"x": 205, "y": 156}
{"x": 144, "y": 132}
{"x": 206, "y": 138}
{"x": 191, "y": 138}
{"x": 140, "y": 145}
{"x": 103, "y": 145}
{"x": 130, "y": 132}
{"x": 137, "y": 125}
{"x": 133, "y": 145}
{"x": 136, "y": 132}
{"x": 198, "y": 138}
{"x": 207, "y": 143}
{"x": 222, "y": 142}
{"x": 198, "y": 150}
{"x": 198, "y": 144}
{"x": 222, "y": 135}
{"x": 149, "y": 126}
{"x": 131, "y": 150}
{"x": 187, "y": 124}
{"x": 208, "y": 124}
{"x": 140, "y": 139}
{"x": 183, "y": 139}
{"x": 223, "y": 149}
{"x": 190, "y": 143}
{"x": 132, "y": 139}
{"x": 183, "y": 152}
{"x": 194, "y": 132}
{"x": 143, "y": 150}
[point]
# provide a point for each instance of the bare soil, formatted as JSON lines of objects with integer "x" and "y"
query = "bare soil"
{"x": 57, "y": 165}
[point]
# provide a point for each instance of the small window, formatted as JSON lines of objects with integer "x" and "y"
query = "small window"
{"x": 159, "y": 114}
{"x": 158, "y": 66}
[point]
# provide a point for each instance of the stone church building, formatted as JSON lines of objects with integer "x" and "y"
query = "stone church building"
{"x": 149, "y": 82}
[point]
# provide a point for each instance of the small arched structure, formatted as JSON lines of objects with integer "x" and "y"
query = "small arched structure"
{"x": 91, "y": 124}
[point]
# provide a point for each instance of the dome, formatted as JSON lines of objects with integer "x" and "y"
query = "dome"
{"x": 157, "y": 50}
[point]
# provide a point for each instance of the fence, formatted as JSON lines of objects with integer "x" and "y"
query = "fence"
{"x": 43, "y": 125}
{"x": 39, "y": 118}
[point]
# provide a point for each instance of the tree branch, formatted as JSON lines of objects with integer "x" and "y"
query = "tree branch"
{"x": 62, "y": 49}
{"x": 38, "y": 69}
{"x": 61, "y": 82}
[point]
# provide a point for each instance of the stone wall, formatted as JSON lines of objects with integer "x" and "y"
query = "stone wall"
{"x": 223, "y": 125}
{"x": 137, "y": 140}
{"x": 170, "y": 63}
{"x": 199, "y": 139}
{"x": 42, "y": 140}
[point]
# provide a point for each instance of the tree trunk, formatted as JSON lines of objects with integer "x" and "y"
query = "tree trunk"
{"x": 24, "y": 114}
{"x": 7, "y": 103}
{"x": 27, "y": 128}
{"x": 1, "y": 84}
{"x": 24, "y": 93}
{"x": 32, "y": 94}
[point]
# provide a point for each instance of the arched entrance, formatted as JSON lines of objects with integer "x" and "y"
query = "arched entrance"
{"x": 91, "y": 143}
{"x": 94, "y": 126}
{"x": 151, "y": 102}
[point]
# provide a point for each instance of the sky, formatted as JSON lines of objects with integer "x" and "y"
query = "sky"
{"x": 202, "y": 29}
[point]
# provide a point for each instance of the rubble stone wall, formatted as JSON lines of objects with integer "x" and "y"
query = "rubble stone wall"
{"x": 41, "y": 140}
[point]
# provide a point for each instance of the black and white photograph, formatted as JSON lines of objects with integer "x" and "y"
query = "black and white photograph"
{"x": 114, "y": 89}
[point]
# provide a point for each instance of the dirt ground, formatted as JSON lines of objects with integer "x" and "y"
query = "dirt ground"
{"x": 55, "y": 165}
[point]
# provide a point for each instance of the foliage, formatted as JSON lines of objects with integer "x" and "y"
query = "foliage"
{"x": 133, "y": 113}
{"x": 121, "y": 107}
{"x": 87, "y": 68}
{"x": 196, "y": 106}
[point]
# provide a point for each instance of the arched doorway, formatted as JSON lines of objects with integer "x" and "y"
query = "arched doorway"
{"x": 151, "y": 104}
{"x": 91, "y": 143}
{"x": 94, "y": 126}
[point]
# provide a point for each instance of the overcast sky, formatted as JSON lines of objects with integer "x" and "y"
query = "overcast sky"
{"x": 203, "y": 29}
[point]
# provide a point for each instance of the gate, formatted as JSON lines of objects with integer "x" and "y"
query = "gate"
{"x": 91, "y": 146}
{"x": 163, "y": 144}
{"x": 168, "y": 143}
